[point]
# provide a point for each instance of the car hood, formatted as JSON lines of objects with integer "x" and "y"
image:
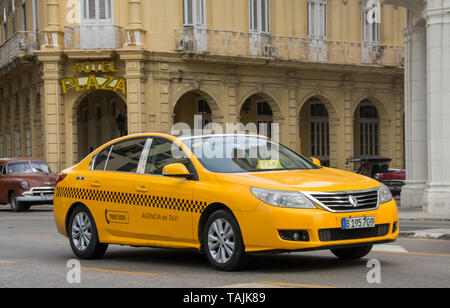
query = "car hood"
{"x": 324, "y": 179}
{"x": 36, "y": 179}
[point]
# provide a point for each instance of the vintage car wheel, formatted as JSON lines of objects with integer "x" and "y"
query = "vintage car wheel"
{"x": 353, "y": 252}
{"x": 15, "y": 205}
{"x": 222, "y": 239}
{"x": 83, "y": 235}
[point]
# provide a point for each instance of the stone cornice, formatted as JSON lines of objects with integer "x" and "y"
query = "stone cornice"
{"x": 436, "y": 15}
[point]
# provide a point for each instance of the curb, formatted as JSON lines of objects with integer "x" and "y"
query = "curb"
{"x": 425, "y": 234}
{"x": 425, "y": 219}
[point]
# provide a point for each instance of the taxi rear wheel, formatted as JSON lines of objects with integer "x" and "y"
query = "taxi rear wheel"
{"x": 223, "y": 244}
{"x": 83, "y": 235}
{"x": 352, "y": 252}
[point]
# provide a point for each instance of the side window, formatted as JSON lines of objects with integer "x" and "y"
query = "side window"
{"x": 2, "y": 170}
{"x": 125, "y": 155}
{"x": 161, "y": 155}
{"x": 100, "y": 159}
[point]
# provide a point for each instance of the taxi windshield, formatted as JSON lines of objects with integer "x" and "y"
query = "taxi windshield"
{"x": 239, "y": 154}
{"x": 26, "y": 167}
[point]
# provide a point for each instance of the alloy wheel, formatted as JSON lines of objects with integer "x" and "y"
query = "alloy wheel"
{"x": 221, "y": 241}
{"x": 81, "y": 231}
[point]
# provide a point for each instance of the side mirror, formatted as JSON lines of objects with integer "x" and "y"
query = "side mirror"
{"x": 177, "y": 171}
{"x": 316, "y": 161}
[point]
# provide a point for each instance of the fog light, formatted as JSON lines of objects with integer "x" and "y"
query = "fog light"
{"x": 294, "y": 235}
{"x": 395, "y": 227}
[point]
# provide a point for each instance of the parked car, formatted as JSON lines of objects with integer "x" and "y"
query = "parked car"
{"x": 394, "y": 179}
{"x": 25, "y": 182}
{"x": 378, "y": 168}
{"x": 221, "y": 195}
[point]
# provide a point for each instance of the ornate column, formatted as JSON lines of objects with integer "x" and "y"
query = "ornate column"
{"x": 136, "y": 77}
{"x": 166, "y": 116}
{"x": 415, "y": 117}
{"x": 53, "y": 36}
{"x": 293, "y": 123}
{"x": 232, "y": 83}
{"x": 398, "y": 148}
{"x": 348, "y": 122}
{"x": 33, "y": 116}
{"x": 23, "y": 121}
{"x": 437, "y": 195}
{"x": 53, "y": 110}
{"x": 135, "y": 31}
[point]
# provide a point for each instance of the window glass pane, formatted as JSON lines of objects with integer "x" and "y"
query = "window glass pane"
{"x": 100, "y": 159}
{"x": 161, "y": 155}
{"x": 125, "y": 155}
{"x": 190, "y": 12}
{"x": 92, "y": 9}
{"x": 102, "y": 9}
{"x": 263, "y": 16}
{"x": 199, "y": 15}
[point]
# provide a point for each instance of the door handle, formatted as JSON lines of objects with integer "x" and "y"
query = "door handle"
{"x": 95, "y": 184}
{"x": 142, "y": 189}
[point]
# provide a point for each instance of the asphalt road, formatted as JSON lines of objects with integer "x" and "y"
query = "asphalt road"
{"x": 33, "y": 254}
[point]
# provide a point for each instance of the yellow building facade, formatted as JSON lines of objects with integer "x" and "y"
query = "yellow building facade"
{"x": 77, "y": 73}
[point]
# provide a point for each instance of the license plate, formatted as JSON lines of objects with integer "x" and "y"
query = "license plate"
{"x": 358, "y": 222}
{"x": 48, "y": 197}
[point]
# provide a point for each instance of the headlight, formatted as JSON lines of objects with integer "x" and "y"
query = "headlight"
{"x": 24, "y": 185}
{"x": 385, "y": 194}
{"x": 286, "y": 199}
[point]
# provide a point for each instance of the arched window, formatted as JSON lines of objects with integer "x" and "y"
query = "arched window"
{"x": 369, "y": 129}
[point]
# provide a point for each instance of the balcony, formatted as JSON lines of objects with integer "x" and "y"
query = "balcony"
{"x": 93, "y": 37}
{"x": 20, "y": 44}
{"x": 284, "y": 48}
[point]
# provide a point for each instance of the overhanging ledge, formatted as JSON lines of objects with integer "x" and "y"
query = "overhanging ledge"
{"x": 413, "y": 5}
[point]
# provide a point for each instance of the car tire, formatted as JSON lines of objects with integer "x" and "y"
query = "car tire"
{"x": 15, "y": 205}
{"x": 83, "y": 235}
{"x": 352, "y": 253}
{"x": 222, "y": 242}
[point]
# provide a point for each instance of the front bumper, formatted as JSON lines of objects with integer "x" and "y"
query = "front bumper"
{"x": 260, "y": 228}
{"x": 37, "y": 195}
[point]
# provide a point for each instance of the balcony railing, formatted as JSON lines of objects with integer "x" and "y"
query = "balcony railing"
{"x": 241, "y": 44}
{"x": 20, "y": 44}
{"x": 93, "y": 37}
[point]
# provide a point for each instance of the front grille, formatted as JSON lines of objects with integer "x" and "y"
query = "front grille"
{"x": 37, "y": 191}
{"x": 331, "y": 235}
{"x": 341, "y": 201}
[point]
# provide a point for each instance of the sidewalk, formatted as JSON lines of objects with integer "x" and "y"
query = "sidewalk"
{"x": 419, "y": 224}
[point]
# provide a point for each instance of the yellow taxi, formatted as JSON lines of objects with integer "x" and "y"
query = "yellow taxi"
{"x": 227, "y": 196}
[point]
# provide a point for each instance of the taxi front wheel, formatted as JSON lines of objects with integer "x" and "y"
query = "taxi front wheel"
{"x": 222, "y": 239}
{"x": 352, "y": 252}
{"x": 83, "y": 235}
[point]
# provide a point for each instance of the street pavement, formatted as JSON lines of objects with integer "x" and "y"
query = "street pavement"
{"x": 33, "y": 254}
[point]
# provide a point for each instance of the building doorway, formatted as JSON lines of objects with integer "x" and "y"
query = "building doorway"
{"x": 193, "y": 104}
{"x": 315, "y": 131}
{"x": 101, "y": 117}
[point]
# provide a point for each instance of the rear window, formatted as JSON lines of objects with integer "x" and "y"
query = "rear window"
{"x": 123, "y": 156}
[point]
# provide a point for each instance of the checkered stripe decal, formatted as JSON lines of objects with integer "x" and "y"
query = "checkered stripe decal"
{"x": 176, "y": 204}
